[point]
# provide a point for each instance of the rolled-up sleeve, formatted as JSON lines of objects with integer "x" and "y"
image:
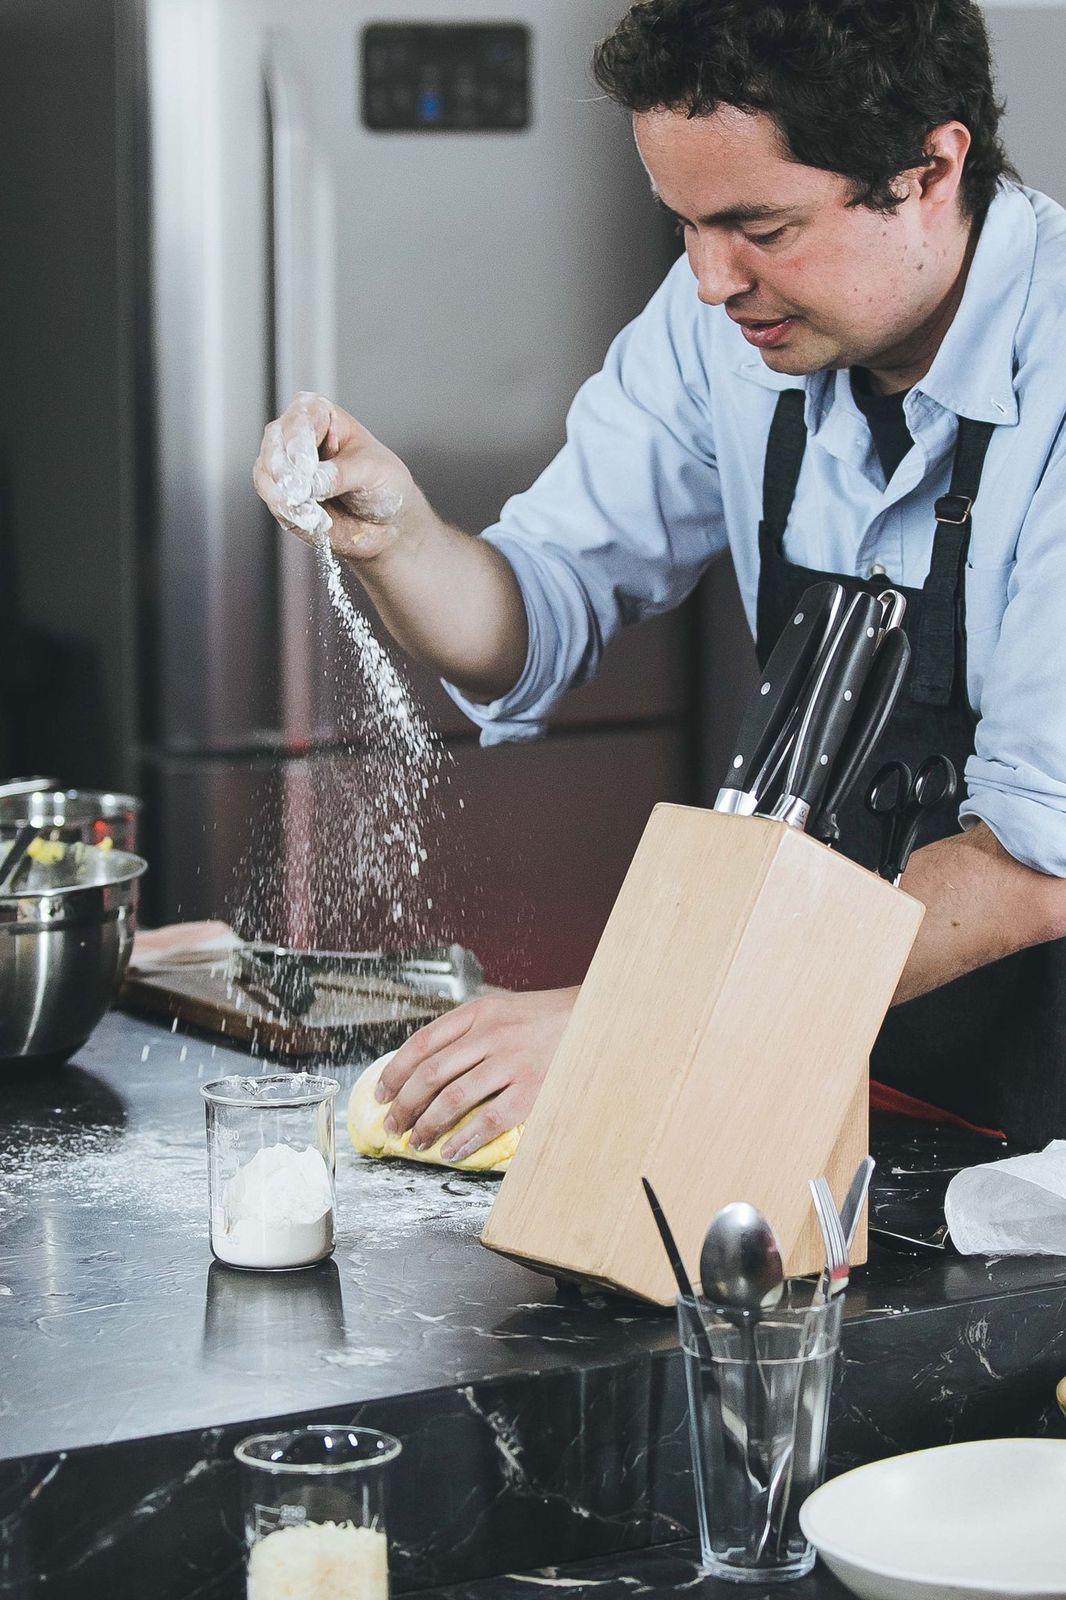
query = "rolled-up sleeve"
{"x": 622, "y": 523}
{"x": 1016, "y": 779}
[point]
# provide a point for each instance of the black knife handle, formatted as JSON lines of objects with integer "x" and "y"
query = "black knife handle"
{"x": 830, "y": 708}
{"x": 780, "y": 682}
{"x": 875, "y": 705}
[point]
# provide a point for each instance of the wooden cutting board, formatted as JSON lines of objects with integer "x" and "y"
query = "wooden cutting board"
{"x": 351, "y": 1015}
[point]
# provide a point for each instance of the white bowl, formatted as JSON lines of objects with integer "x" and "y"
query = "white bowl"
{"x": 981, "y": 1521}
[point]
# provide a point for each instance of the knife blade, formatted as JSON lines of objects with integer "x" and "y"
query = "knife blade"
{"x": 874, "y": 707}
{"x": 681, "y": 1277}
{"x": 828, "y": 710}
{"x": 780, "y": 684}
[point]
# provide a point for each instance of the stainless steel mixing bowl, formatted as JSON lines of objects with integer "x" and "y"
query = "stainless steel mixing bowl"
{"x": 72, "y": 814}
{"x": 65, "y": 940}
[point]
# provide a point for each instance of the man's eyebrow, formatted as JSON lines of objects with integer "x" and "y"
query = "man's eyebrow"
{"x": 726, "y": 219}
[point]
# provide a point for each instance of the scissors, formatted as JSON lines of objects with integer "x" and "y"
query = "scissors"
{"x": 902, "y": 802}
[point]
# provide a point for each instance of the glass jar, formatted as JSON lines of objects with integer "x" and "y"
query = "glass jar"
{"x": 314, "y": 1513}
{"x": 271, "y": 1157}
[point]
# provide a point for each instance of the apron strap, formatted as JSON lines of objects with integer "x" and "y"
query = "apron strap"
{"x": 785, "y": 445}
{"x": 936, "y": 656}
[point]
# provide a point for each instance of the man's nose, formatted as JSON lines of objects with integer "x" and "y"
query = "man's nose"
{"x": 720, "y": 276}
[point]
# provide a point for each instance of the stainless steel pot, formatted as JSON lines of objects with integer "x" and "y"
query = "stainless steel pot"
{"x": 87, "y": 815}
{"x": 65, "y": 940}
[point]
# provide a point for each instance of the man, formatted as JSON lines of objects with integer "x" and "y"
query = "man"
{"x": 858, "y": 372}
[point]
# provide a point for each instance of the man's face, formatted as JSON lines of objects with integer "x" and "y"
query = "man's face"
{"x": 812, "y": 281}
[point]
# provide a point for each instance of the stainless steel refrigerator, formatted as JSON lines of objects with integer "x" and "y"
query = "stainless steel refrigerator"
{"x": 424, "y": 211}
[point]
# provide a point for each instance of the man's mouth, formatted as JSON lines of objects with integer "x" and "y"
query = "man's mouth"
{"x": 765, "y": 334}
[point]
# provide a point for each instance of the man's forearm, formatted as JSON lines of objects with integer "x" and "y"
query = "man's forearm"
{"x": 981, "y": 905}
{"x": 453, "y": 602}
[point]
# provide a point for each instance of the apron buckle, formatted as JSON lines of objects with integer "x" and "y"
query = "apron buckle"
{"x": 953, "y": 508}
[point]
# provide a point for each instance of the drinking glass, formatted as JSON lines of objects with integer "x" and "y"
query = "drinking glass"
{"x": 758, "y": 1401}
{"x": 314, "y": 1513}
{"x": 271, "y": 1163}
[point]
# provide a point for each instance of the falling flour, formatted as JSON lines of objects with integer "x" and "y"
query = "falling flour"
{"x": 320, "y": 1561}
{"x": 404, "y": 755}
{"x": 276, "y": 1211}
{"x": 357, "y": 820}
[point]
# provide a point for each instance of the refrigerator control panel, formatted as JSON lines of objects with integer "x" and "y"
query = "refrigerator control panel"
{"x": 445, "y": 78}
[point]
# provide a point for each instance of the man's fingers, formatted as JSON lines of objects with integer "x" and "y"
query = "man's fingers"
{"x": 305, "y": 425}
{"x": 436, "y": 1035}
{"x": 306, "y": 518}
{"x": 438, "y": 1089}
{"x": 496, "y": 1116}
{"x": 463, "y": 1094}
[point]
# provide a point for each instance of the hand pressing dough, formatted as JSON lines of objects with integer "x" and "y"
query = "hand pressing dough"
{"x": 366, "y": 1124}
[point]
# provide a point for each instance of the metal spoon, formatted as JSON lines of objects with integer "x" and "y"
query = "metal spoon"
{"x": 741, "y": 1273}
{"x": 740, "y": 1263}
{"x": 16, "y": 855}
{"x": 20, "y": 786}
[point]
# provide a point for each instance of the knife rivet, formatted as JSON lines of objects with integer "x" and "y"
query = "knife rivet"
{"x": 765, "y": 689}
{"x": 738, "y": 761}
{"x": 797, "y": 619}
{"x": 847, "y": 694}
{"x": 869, "y": 633}
{"x": 823, "y": 761}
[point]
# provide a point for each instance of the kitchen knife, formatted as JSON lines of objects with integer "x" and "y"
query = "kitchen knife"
{"x": 828, "y": 710}
{"x": 893, "y": 608}
{"x": 780, "y": 684}
{"x": 851, "y": 1210}
{"x": 684, "y": 1287}
{"x": 875, "y": 705}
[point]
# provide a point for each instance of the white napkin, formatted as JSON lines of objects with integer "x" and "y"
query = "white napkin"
{"x": 182, "y": 944}
{"x": 1014, "y": 1207}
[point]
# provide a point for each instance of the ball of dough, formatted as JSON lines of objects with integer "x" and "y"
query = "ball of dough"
{"x": 366, "y": 1125}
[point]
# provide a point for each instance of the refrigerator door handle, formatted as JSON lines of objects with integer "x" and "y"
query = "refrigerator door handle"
{"x": 302, "y": 334}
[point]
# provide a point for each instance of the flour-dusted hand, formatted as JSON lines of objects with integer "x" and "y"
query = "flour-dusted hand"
{"x": 449, "y": 599}
{"x": 321, "y": 474}
{"x": 491, "y": 1053}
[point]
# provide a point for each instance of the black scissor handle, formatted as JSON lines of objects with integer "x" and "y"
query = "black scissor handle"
{"x": 935, "y": 784}
{"x": 887, "y": 798}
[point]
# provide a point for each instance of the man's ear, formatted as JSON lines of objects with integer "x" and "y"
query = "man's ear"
{"x": 940, "y": 179}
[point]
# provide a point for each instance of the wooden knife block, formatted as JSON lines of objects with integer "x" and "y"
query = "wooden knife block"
{"x": 719, "y": 1046}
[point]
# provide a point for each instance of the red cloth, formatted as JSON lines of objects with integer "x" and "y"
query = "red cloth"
{"x": 882, "y": 1098}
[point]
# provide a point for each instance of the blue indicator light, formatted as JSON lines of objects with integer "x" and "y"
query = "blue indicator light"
{"x": 430, "y": 108}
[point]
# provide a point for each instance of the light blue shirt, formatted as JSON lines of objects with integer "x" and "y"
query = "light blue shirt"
{"x": 663, "y": 466}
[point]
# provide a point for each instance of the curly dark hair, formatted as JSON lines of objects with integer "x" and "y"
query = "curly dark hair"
{"x": 855, "y": 86}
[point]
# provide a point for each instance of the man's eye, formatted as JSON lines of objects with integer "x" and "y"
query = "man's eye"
{"x": 681, "y": 227}
{"x": 765, "y": 238}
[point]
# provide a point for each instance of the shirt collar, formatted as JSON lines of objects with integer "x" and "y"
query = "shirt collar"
{"x": 972, "y": 373}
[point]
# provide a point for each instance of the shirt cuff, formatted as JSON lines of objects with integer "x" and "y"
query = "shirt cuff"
{"x": 1031, "y": 826}
{"x": 522, "y": 713}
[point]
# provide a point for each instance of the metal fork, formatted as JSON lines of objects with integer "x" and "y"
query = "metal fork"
{"x": 833, "y": 1281}
{"x": 836, "y": 1248}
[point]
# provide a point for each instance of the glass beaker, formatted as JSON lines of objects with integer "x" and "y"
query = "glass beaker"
{"x": 271, "y": 1158}
{"x": 758, "y": 1410}
{"x": 314, "y": 1513}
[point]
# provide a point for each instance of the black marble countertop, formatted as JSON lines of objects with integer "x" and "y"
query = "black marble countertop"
{"x": 120, "y": 1334}
{"x": 662, "y": 1572}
